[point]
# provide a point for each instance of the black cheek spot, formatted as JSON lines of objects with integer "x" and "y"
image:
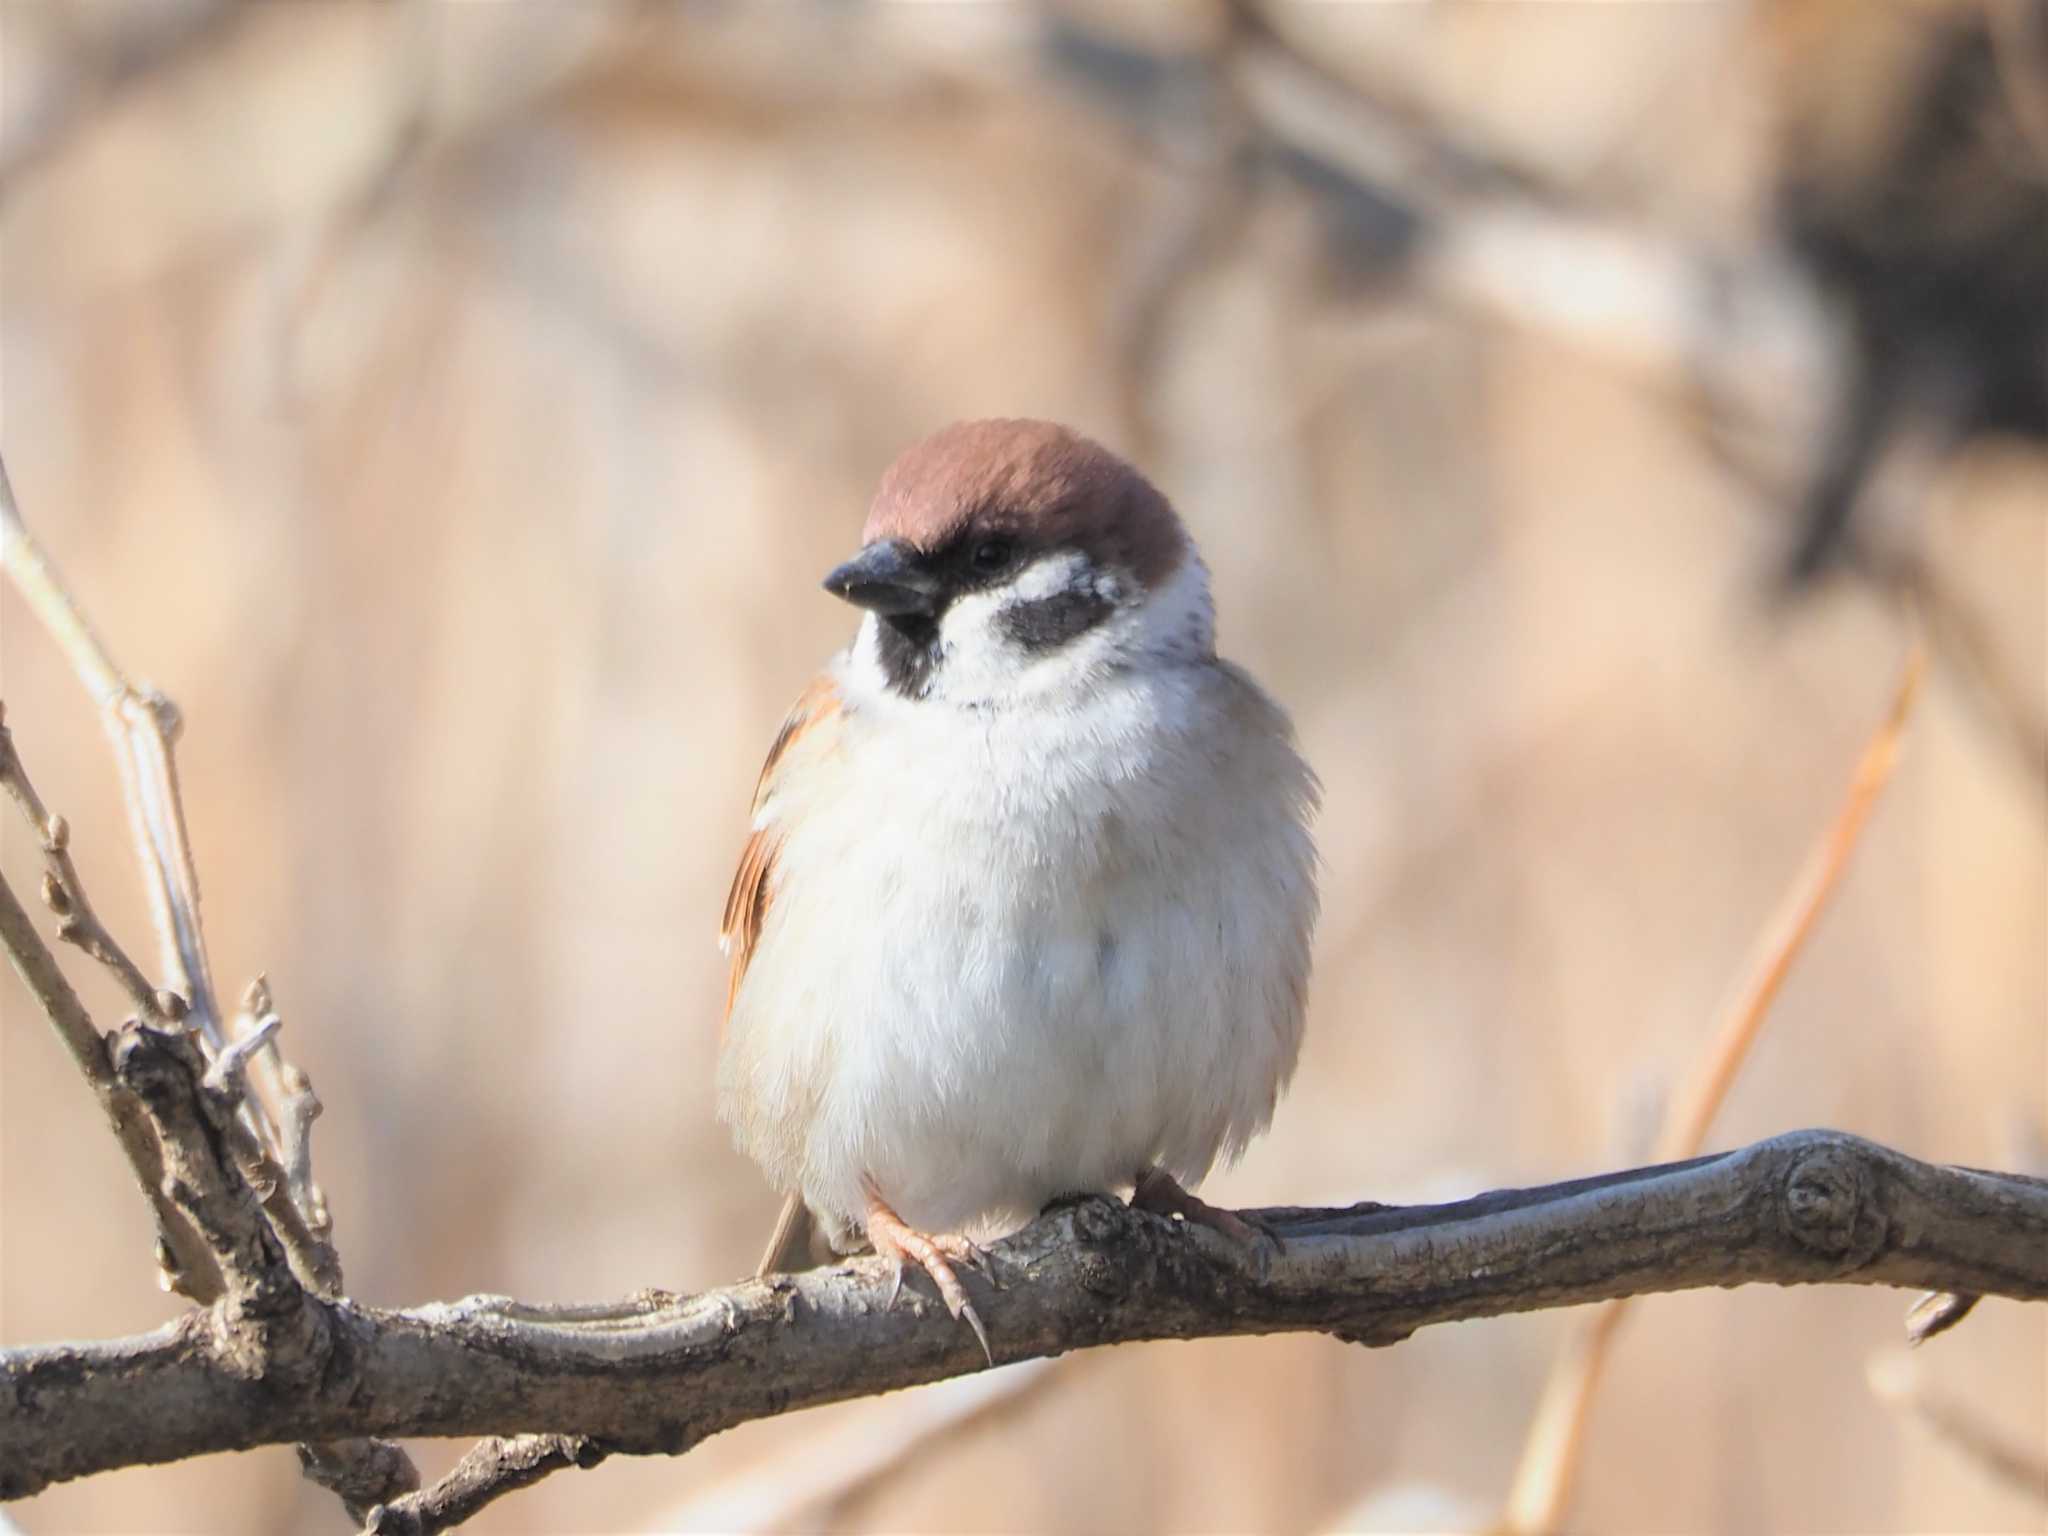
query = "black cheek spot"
{"x": 1053, "y": 621}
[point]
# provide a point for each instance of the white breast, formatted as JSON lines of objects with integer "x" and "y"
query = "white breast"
{"x": 1024, "y": 952}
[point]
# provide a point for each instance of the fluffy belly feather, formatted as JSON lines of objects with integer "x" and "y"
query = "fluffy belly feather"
{"x": 991, "y": 1018}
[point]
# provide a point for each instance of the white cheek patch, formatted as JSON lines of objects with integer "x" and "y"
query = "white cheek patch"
{"x": 1048, "y": 577}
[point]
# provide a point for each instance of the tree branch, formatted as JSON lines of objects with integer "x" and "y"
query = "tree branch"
{"x": 183, "y": 1261}
{"x": 241, "y": 1223}
{"x": 659, "y": 1373}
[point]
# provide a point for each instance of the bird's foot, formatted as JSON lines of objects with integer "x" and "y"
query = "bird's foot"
{"x": 1159, "y": 1192}
{"x": 935, "y": 1254}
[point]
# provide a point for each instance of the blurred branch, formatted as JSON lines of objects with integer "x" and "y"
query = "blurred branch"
{"x": 1896, "y": 1378}
{"x": 2019, "y": 52}
{"x": 1791, "y": 927}
{"x": 658, "y": 1374}
{"x": 1405, "y": 190}
{"x": 1544, "y": 1478}
{"x": 149, "y": 42}
{"x": 850, "y": 1461}
{"x": 1990, "y": 684}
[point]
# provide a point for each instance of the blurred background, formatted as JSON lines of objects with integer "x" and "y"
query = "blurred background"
{"x": 454, "y": 406}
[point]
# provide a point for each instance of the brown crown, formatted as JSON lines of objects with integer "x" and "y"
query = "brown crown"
{"x": 1034, "y": 481}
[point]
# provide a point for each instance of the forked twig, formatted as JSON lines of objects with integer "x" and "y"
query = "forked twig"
{"x": 1544, "y": 1477}
{"x": 241, "y": 1220}
{"x": 493, "y": 1467}
{"x": 143, "y": 725}
{"x": 184, "y": 1263}
{"x": 64, "y": 893}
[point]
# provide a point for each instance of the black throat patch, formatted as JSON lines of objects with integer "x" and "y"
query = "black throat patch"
{"x": 909, "y": 648}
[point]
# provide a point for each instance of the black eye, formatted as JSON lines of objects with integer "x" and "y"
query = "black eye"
{"x": 991, "y": 555}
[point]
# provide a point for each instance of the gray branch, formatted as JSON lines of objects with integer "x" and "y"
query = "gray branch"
{"x": 659, "y": 1373}
{"x": 242, "y": 1226}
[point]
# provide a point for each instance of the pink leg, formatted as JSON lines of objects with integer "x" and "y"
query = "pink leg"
{"x": 898, "y": 1242}
{"x": 1159, "y": 1192}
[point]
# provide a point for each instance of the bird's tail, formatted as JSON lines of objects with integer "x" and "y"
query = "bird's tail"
{"x": 790, "y": 1248}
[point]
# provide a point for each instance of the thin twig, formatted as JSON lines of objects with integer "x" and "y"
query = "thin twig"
{"x": 1786, "y": 936}
{"x": 490, "y": 1469}
{"x": 142, "y": 725}
{"x": 299, "y": 1108}
{"x": 239, "y": 1214}
{"x": 1544, "y": 1478}
{"x": 64, "y": 893}
{"x": 1991, "y": 685}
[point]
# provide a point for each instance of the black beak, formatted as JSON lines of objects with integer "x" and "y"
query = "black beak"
{"x": 887, "y": 578}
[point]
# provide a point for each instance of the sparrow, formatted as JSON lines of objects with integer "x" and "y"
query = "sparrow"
{"x": 1026, "y": 906}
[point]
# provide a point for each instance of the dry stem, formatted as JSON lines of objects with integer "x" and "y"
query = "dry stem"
{"x": 1543, "y": 1483}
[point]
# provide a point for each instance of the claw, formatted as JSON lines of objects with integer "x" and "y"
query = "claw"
{"x": 899, "y": 1242}
{"x": 972, "y": 1318}
{"x": 965, "y": 1250}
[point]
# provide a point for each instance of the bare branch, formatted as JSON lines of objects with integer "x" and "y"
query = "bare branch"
{"x": 190, "y": 1270}
{"x": 64, "y": 893}
{"x": 162, "y": 1070}
{"x": 299, "y": 1108}
{"x": 142, "y": 725}
{"x": 232, "y": 1227}
{"x": 658, "y": 1374}
{"x": 491, "y": 1468}
{"x": 183, "y": 1261}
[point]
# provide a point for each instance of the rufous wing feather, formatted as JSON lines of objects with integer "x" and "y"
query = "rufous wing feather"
{"x": 746, "y": 914}
{"x": 746, "y": 905}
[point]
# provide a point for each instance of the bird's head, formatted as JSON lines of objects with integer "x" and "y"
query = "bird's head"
{"x": 1005, "y": 559}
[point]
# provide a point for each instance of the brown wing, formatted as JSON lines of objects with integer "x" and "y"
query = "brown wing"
{"x": 746, "y": 905}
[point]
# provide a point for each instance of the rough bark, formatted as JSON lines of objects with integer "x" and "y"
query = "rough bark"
{"x": 659, "y": 1373}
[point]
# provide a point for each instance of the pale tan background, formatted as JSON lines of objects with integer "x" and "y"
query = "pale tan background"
{"x": 454, "y": 406}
